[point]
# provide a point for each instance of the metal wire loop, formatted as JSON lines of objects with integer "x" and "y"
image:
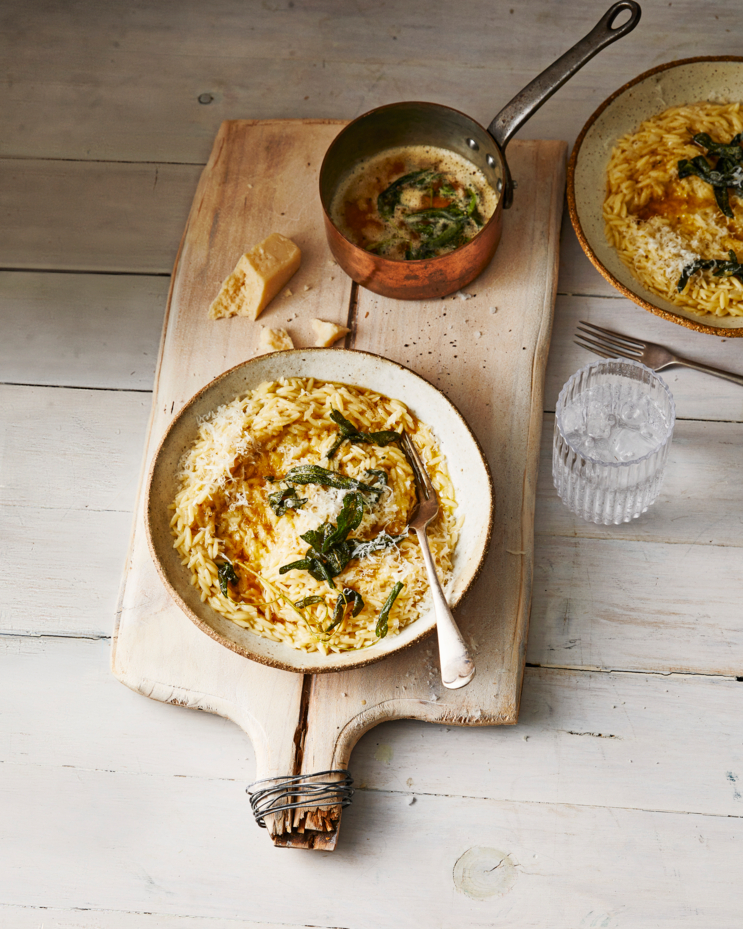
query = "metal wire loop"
{"x": 299, "y": 790}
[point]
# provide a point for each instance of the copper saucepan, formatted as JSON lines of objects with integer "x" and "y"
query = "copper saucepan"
{"x": 415, "y": 123}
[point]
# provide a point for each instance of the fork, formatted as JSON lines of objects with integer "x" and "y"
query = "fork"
{"x": 457, "y": 667}
{"x": 610, "y": 344}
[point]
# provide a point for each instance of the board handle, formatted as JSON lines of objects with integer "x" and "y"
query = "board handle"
{"x": 324, "y": 794}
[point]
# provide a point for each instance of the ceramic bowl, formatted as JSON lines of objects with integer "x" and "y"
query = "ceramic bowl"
{"x": 689, "y": 81}
{"x": 468, "y": 470}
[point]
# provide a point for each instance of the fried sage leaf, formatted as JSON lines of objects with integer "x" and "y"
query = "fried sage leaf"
{"x": 725, "y": 175}
{"x": 349, "y": 519}
{"x": 382, "y": 621}
{"x": 330, "y": 548}
{"x": 377, "y": 544}
{"x": 348, "y": 596}
{"x": 731, "y": 149}
{"x": 314, "y": 474}
{"x": 381, "y": 478}
{"x": 718, "y": 267}
{"x": 349, "y": 433}
{"x": 227, "y": 575}
{"x": 355, "y": 599}
{"x": 285, "y": 499}
{"x": 308, "y": 601}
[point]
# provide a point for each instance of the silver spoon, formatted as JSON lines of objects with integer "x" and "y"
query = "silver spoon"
{"x": 457, "y": 667}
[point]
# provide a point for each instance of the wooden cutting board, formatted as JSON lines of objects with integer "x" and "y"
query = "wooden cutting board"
{"x": 485, "y": 348}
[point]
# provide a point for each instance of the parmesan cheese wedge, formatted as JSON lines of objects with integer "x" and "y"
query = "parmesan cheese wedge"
{"x": 274, "y": 340}
{"x": 259, "y": 276}
{"x": 327, "y": 333}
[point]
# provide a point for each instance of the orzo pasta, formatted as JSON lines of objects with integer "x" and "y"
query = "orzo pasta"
{"x": 251, "y": 487}
{"x": 661, "y": 223}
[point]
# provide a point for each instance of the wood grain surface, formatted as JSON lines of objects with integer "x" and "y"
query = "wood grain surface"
{"x": 258, "y": 179}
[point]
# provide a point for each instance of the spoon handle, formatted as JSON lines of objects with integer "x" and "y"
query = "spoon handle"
{"x": 457, "y": 667}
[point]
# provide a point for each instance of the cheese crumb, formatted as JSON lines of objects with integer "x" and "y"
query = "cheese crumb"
{"x": 327, "y": 333}
{"x": 258, "y": 277}
{"x": 274, "y": 340}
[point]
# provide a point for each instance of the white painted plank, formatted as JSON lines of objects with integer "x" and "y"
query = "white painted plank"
{"x": 37, "y": 917}
{"x": 168, "y": 845}
{"x": 600, "y": 739}
{"x": 636, "y": 605}
{"x": 660, "y": 742}
{"x": 78, "y": 216}
{"x": 71, "y": 449}
{"x": 697, "y": 396}
{"x": 70, "y": 465}
{"x": 81, "y": 330}
{"x": 701, "y": 500}
{"x": 123, "y": 83}
{"x": 60, "y": 569}
{"x": 62, "y": 707}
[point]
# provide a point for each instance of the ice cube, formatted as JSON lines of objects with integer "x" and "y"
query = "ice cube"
{"x": 598, "y": 413}
{"x": 587, "y": 446}
{"x": 637, "y": 411}
{"x": 629, "y": 444}
{"x": 600, "y": 451}
{"x": 574, "y": 418}
{"x": 654, "y": 433}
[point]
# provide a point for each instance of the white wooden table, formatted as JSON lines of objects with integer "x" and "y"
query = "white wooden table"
{"x": 617, "y": 799}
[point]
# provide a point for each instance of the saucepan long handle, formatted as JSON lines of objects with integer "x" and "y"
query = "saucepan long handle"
{"x": 514, "y": 114}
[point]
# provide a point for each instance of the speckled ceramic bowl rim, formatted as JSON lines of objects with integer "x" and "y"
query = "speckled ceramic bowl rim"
{"x": 366, "y": 656}
{"x": 573, "y": 211}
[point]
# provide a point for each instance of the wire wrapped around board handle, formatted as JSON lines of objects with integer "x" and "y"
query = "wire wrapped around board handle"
{"x": 276, "y": 794}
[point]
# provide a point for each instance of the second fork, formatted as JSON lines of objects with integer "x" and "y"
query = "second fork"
{"x": 609, "y": 344}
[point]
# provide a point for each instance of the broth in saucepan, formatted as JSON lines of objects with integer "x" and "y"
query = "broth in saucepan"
{"x": 413, "y": 202}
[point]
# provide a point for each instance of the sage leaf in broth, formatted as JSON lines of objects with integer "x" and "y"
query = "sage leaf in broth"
{"x": 390, "y": 197}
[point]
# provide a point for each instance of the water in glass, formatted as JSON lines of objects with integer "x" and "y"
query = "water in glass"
{"x": 613, "y": 427}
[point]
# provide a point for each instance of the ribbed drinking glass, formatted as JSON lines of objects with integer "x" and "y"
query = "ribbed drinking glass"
{"x": 613, "y": 429}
